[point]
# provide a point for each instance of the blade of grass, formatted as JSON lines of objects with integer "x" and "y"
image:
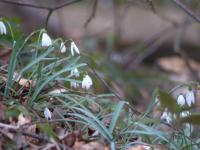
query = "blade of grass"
{"x": 115, "y": 115}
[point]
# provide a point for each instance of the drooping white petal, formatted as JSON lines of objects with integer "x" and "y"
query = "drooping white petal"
{"x": 16, "y": 76}
{"x": 58, "y": 91}
{"x": 190, "y": 99}
{"x": 87, "y": 82}
{"x": 46, "y": 40}
{"x": 74, "y": 84}
{"x": 74, "y": 48}
{"x": 167, "y": 116}
{"x": 181, "y": 100}
{"x": 75, "y": 72}
{"x": 184, "y": 113}
{"x": 62, "y": 48}
{"x": 157, "y": 101}
{"x": 2, "y": 28}
{"x": 47, "y": 113}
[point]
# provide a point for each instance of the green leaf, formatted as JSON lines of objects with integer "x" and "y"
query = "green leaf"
{"x": 115, "y": 115}
{"x": 193, "y": 119}
{"x": 15, "y": 110}
{"x": 166, "y": 100}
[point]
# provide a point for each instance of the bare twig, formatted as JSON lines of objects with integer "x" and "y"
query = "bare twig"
{"x": 49, "y": 9}
{"x": 187, "y": 10}
{"x": 24, "y": 4}
{"x": 48, "y": 17}
{"x": 92, "y": 14}
{"x": 3, "y": 125}
{"x": 66, "y": 4}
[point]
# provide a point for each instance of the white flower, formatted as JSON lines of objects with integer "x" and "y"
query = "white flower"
{"x": 75, "y": 72}
{"x": 47, "y": 113}
{"x": 167, "y": 116}
{"x": 58, "y": 91}
{"x": 157, "y": 101}
{"x": 184, "y": 113}
{"x": 87, "y": 82}
{"x": 74, "y": 84}
{"x": 62, "y": 48}
{"x": 2, "y": 28}
{"x": 74, "y": 48}
{"x": 181, "y": 100}
{"x": 190, "y": 98}
{"x": 16, "y": 76}
{"x": 46, "y": 40}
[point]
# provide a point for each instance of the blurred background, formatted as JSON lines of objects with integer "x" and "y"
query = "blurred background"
{"x": 134, "y": 45}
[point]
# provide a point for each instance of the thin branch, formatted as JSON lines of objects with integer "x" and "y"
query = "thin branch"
{"x": 3, "y": 125}
{"x": 187, "y": 10}
{"x": 48, "y": 18}
{"x": 50, "y": 9}
{"x": 42, "y": 138}
{"x": 92, "y": 14}
{"x": 24, "y": 4}
{"x": 66, "y": 4}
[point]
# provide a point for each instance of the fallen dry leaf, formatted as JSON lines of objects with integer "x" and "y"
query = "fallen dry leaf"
{"x": 90, "y": 146}
{"x": 23, "y": 120}
{"x": 70, "y": 139}
{"x": 138, "y": 147}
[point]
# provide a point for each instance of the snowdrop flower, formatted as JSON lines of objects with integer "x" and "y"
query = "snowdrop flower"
{"x": 46, "y": 40}
{"x": 87, "y": 82}
{"x": 74, "y": 48}
{"x": 16, "y": 76}
{"x": 58, "y": 91}
{"x": 167, "y": 116}
{"x": 74, "y": 84}
{"x": 75, "y": 72}
{"x": 181, "y": 100}
{"x": 184, "y": 113}
{"x": 157, "y": 101}
{"x": 190, "y": 98}
{"x": 2, "y": 28}
{"x": 47, "y": 113}
{"x": 62, "y": 48}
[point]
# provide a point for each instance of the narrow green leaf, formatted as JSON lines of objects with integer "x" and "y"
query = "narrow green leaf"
{"x": 115, "y": 115}
{"x": 166, "y": 100}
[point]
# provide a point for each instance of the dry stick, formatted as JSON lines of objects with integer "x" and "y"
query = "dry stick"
{"x": 92, "y": 14}
{"x": 187, "y": 10}
{"x": 16, "y": 129}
